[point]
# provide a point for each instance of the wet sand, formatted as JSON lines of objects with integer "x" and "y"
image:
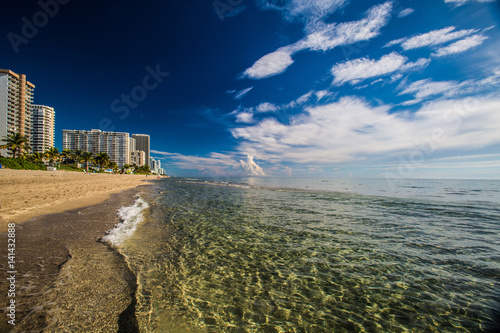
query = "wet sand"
{"x": 68, "y": 281}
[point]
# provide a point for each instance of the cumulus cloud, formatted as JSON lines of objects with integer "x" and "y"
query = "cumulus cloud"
{"x": 251, "y": 168}
{"x": 435, "y": 37}
{"x": 357, "y": 70}
{"x": 461, "y": 46}
{"x": 322, "y": 37}
{"x": 405, "y": 12}
{"x": 215, "y": 164}
{"x": 351, "y": 129}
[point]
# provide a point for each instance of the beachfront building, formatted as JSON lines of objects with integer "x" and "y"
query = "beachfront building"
{"x": 138, "y": 157}
{"x": 155, "y": 166}
{"x": 115, "y": 144}
{"x": 42, "y": 128}
{"x": 16, "y": 98}
{"x": 142, "y": 143}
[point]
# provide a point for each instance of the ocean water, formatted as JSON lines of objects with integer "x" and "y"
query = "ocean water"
{"x": 314, "y": 255}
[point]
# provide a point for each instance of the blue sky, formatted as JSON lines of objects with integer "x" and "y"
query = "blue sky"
{"x": 327, "y": 88}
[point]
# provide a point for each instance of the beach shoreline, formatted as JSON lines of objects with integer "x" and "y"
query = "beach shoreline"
{"x": 66, "y": 278}
{"x": 26, "y": 194}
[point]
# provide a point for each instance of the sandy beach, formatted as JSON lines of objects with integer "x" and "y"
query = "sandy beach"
{"x": 66, "y": 278}
{"x": 27, "y": 193}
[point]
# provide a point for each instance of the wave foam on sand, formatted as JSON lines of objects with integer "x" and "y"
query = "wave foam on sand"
{"x": 130, "y": 218}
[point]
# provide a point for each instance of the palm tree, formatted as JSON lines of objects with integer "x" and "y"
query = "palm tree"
{"x": 35, "y": 157}
{"x": 102, "y": 159}
{"x": 86, "y": 157}
{"x": 66, "y": 154}
{"x": 53, "y": 155}
{"x": 113, "y": 166}
{"x": 77, "y": 156}
{"x": 15, "y": 142}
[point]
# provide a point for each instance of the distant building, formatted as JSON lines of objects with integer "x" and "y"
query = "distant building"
{"x": 42, "y": 128}
{"x": 115, "y": 144}
{"x": 132, "y": 145}
{"x": 155, "y": 166}
{"x": 16, "y": 98}
{"x": 138, "y": 157}
{"x": 142, "y": 143}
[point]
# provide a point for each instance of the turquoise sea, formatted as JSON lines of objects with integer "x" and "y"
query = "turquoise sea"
{"x": 314, "y": 255}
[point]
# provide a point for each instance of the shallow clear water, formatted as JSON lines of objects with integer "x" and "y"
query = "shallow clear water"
{"x": 278, "y": 255}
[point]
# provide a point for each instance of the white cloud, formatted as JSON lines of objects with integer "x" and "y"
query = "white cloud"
{"x": 214, "y": 164}
{"x": 322, "y": 93}
{"x": 425, "y": 88}
{"x": 435, "y": 37}
{"x": 322, "y": 37}
{"x": 462, "y": 2}
{"x": 266, "y": 107}
{"x": 405, "y": 12}
{"x": 350, "y": 129}
{"x": 303, "y": 9}
{"x": 357, "y": 70}
{"x": 251, "y": 168}
{"x": 242, "y": 93}
{"x": 461, "y": 46}
{"x": 327, "y": 36}
{"x": 244, "y": 117}
{"x": 270, "y": 64}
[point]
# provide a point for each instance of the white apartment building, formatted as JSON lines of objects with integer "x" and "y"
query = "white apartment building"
{"x": 42, "y": 128}
{"x": 115, "y": 144}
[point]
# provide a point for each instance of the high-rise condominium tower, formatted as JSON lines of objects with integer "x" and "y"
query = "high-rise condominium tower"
{"x": 142, "y": 143}
{"x": 16, "y": 98}
{"x": 115, "y": 144}
{"x": 42, "y": 130}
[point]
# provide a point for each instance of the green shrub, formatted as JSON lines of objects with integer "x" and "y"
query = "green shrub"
{"x": 20, "y": 164}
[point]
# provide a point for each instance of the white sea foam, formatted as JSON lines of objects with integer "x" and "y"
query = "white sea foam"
{"x": 130, "y": 218}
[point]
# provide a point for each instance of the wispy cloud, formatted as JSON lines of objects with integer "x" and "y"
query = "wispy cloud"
{"x": 239, "y": 95}
{"x": 425, "y": 88}
{"x": 244, "y": 117}
{"x": 351, "y": 129}
{"x": 435, "y": 37}
{"x": 304, "y": 10}
{"x": 405, "y": 12}
{"x": 322, "y": 37}
{"x": 462, "y": 2}
{"x": 357, "y": 70}
{"x": 461, "y": 46}
{"x": 266, "y": 107}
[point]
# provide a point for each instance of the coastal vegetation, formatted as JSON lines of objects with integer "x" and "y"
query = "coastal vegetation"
{"x": 67, "y": 159}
